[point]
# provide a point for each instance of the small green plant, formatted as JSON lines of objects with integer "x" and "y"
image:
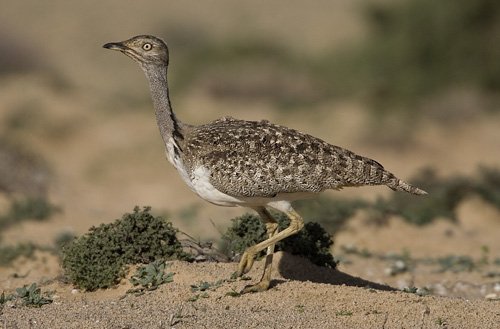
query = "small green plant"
{"x": 233, "y": 293}
{"x": 418, "y": 291}
{"x": 33, "y": 296}
{"x": 151, "y": 276}
{"x": 312, "y": 242}
{"x": 5, "y": 298}
{"x": 410, "y": 290}
{"x": 343, "y": 313}
{"x": 456, "y": 263}
{"x": 194, "y": 298}
{"x": 441, "y": 322}
{"x": 300, "y": 308}
{"x": 204, "y": 285}
{"x": 99, "y": 258}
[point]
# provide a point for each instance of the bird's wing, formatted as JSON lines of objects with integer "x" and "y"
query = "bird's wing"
{"x": 260, "y": 159}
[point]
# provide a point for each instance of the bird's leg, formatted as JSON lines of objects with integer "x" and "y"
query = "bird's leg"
{"x": 272, "y": 229}
{"x": 246, "y": 262}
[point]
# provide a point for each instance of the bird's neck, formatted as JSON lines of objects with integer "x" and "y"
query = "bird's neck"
{"x": 170, "y": 127}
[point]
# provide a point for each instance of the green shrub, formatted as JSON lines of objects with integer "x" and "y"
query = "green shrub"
{"x": 420, "y": 48}
{"x": 487, "y": 185}
{"x": 10, "y": 253}
{"x": 456, "y": 263}
{"x": 98, "y": 259}
{"x": 29, "y": 208}
{"x": 23, "y": 172}
{"x": 312, "y": 242}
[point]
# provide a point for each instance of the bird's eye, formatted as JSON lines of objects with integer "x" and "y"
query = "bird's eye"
{"x": 147, "y": 46}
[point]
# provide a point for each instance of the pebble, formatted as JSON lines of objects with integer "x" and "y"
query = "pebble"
{"x": 492, "y": 296}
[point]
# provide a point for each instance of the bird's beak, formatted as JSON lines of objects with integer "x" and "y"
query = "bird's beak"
{"x": 115, "y": 46}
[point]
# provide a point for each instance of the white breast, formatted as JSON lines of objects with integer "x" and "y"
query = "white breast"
{"x": 176, "y": 161}
{"x": 199, "y": 180}
{"x": 205, "y": 189}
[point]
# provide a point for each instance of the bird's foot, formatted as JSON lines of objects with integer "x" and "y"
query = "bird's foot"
{"x": 246, "y": 262}
{"x": 263, "y": 285}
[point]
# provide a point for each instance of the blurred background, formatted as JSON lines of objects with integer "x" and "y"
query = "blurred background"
{"x": 411, "y": 83}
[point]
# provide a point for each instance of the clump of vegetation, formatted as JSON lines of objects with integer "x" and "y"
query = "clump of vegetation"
{"x": 33, "y": 208}
{"x": 456, "y": 263}
{"x": 418, "y": 48}
{"x": 203, "y": 287}
{"x": 443, "y": 323}
{"x": 151, "y": 276}
{"x": 487, "y": 185}
{"x": 343, "y": 313}
{"x": 99, "y": 258}
{"x": 33, "y": 296}
{"x": 312, "y": 242}
{"x": 22, "y": 171}
{"x": 4, "y": 299}
{"x": 10, "y": 253}
{"x": 423, "y": 291}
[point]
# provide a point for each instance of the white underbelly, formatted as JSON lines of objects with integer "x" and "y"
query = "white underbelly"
{"x": 199, "y": 182}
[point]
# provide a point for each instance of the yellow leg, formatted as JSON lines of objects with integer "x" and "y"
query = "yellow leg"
{"x": 247, "y": 260}
{"x": 271, "y": 228}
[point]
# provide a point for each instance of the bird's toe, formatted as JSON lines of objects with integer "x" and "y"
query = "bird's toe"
{"x": 246, "y": 262}
{"x": 258, "y": 287}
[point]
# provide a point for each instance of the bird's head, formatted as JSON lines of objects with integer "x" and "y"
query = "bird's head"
{"x": 144, "y": 49}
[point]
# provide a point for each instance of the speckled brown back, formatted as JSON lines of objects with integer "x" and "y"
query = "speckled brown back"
{"x": 260, "y": 159}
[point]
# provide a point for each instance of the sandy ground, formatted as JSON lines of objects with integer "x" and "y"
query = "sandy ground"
{"x": 99, "y": 137}
{"x": 302, "y": 296}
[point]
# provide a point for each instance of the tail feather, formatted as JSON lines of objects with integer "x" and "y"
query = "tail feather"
{"x": 399, "y": 185}
{"x": 366, "y": 171}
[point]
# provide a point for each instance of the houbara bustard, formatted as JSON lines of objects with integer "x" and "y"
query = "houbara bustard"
{"x": 254, "y": 164}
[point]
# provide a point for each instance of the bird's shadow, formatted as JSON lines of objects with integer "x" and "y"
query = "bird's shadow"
{"x": 293, "y": 267}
